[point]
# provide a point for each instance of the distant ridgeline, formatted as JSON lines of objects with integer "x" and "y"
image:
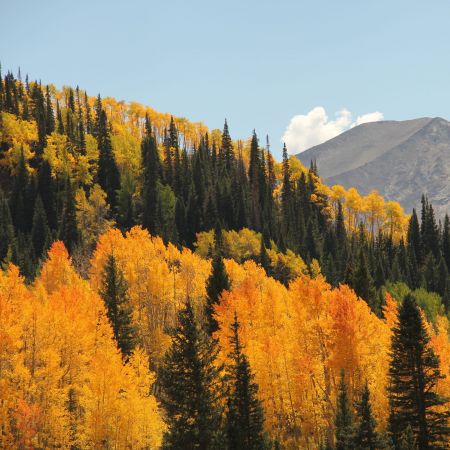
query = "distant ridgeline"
{"x": 73, "y": 166}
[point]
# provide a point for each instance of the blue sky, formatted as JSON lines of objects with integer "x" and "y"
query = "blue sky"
{"x": 257, "y": 63}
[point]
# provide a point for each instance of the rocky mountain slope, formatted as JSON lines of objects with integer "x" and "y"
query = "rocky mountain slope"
{"x": 401, "y": 160}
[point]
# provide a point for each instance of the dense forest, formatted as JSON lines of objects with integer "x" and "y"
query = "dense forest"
{"x": 163, "y": 286}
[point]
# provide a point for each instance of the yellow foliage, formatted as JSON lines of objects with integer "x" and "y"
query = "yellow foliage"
{"x": 58, "y": 358}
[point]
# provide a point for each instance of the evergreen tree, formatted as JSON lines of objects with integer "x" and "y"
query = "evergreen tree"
{"x": 366, "y": 436}
{"x": 414, "y": 372}
{"x": 192, "y": 388}
{"x": 446, "y": 241}
{"x": 245, "y": 416}
{"x": 151, "y": 168}
{"x": 7, "y": 238}
{"x": 114, "y": 292}
{"x": 59, "y": 119}
{"x": 264, "y": 258}
{"x": 363, "y": 281}
{"x": 68, "y": 227}
{"x": 226, "y": 154}
{"x": 344, "y": 418}
{"x": 414, "y": 238}
{"x": 47, "y": 191}
{"x": 19, "y": 201}
{"x": 40, "y": 232}
{"x": 108, "y": 174}
{"x": 217, "y": 282}
{"x": 49, "y": 116}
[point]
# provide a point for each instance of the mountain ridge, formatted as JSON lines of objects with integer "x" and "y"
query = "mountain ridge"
{"x": 399, "y": 159}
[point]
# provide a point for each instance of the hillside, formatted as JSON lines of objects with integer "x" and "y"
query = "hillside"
{"x": 161, "y": 285}
{"x": 401, "y": 160}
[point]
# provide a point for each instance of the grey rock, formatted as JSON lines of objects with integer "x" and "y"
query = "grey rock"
{"x": 401, "y": 160}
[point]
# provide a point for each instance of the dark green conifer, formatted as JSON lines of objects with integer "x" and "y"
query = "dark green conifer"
{"x": 245, "y": 415}
{"x": 192, "y": 388}
{"x": 414, "y": 372}
{"x": 414, "y": 239}
{"x": 108, "y": 174}
{"x": 49, "y": 116}
{"x": 7, "y": 238}
{"x": 40, "y": 232}
{"x": 114, "y": 292}
{"x": 366, "y": 436}
{"x": 151, "y": 169}
{"x": 68, "y": 227}
{"x": 344, "y": 421}
{"x": 217, "y": 282}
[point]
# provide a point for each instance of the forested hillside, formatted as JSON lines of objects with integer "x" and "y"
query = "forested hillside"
{"x": 164, "y": 286}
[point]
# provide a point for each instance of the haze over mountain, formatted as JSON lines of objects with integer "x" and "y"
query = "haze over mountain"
{"x": 399, "y": 159}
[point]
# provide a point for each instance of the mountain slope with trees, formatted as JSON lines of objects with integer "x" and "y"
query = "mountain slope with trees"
{"x": 138, "y": 249}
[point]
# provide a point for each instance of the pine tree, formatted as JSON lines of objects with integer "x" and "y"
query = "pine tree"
{"x": 414, "y": 238}
{"x": 341, "y": 243}
{"x": 264, "y": 258}
{"x": 217, "y": 282}
{"x": 344, "y": 418}
{"x": 363, "y": 281}
{"x": 59, "y": 119}
{"x": 226, "y": 154}
{"x": 40, "y": 232}
{"x": 20, "y": 206}
{"x": 245, "y": 416}
{"x": 7, "y": 238}
{"x": 191, "y": 388}
{"x": 68, "y": 227}
{"x": 108, "y": 173}
{"x": 47, "y": 191}
{"x": 151, "y": 169}
{"x": 114, "y": 292}
{"x": 446, "y": 241}
{"x": 366, "y": 436}
{"x": 414, "y": 372}
{"x": 49, "y": 116}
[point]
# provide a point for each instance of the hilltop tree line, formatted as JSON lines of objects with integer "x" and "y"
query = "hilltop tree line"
{"x": 76, "y": 192}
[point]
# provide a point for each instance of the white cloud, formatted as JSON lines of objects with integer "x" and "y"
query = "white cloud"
{"x": 369, "y": 117}
{"x": 306, "y": 130}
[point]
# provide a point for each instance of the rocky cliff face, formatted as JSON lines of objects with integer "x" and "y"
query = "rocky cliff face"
{"x": 401, "y": 160}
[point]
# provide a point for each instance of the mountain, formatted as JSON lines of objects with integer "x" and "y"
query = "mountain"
{"x": 399, "y": 159}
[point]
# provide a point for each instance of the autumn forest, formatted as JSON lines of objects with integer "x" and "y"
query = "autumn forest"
{"x": 163, "y": 286}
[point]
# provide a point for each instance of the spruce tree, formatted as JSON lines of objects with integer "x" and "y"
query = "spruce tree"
{"x": 114, "y": 292}
{"x": 414, "y": 373}
{"x": 217, "y": 282}
{"x": 108, "y": 174}
{"x": 7, "y": 238}
{"x": 40, "y": 232}
{"x": 151, "y": 169}
{"x": 49, "y": 116}
{"x": 19, "y": 204}
{"x": 446, "y": 241}
{"x": 414, "y": 238}
{"x": 192, "y": 389}
{"x": 366, "y": 436}
{"x": 245, "y": 416}
{"x": 264, "y": 258}
{"x": 47, "y": 191}
{"x": 344, "y": 418}
{"x": 68, "y": 227}
{"x": 363, "y": 281}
